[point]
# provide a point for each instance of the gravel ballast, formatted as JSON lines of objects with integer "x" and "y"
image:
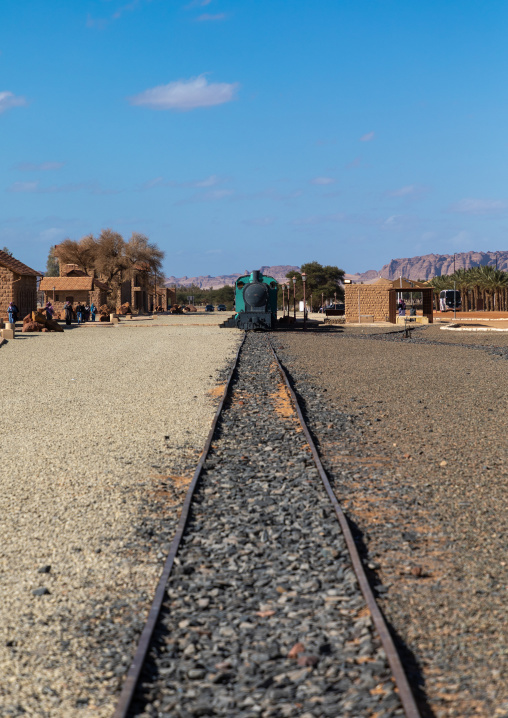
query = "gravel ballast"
{"x": 264, "y": 617}
{"x": 413, "y": 433}
{"x": 102, "y": 429}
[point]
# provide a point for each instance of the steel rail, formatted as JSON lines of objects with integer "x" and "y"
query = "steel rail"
{"x": 129, "y": 687}
{"x": 401, "y": 681}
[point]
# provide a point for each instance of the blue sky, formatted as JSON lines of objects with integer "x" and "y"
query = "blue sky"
{"x": 248, "y": 133}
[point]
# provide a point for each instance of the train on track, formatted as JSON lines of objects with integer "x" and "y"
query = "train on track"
{"x": 255, "y": 302}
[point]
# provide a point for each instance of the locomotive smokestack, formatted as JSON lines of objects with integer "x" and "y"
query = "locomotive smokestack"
{"x": 255, "y": 275}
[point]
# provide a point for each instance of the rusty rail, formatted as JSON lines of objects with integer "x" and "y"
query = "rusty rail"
{"x": 405, "y": 694}
{"x": 132, "y": 678}
{"x": 129, "y": 687}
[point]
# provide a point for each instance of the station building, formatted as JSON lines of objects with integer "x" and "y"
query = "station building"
{"x": 18, "y": 284}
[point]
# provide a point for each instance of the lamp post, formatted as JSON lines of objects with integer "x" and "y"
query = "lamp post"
{"x": 283, "y": 304}
{"x": 304, "y": 279}
{"x": 323, "y": 302}
{"x": 294, "y": 298}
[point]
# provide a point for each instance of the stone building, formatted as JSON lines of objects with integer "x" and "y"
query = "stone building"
{"x": 142, "y": 295}
{"x": 164, "y": 297}
{"x": 18, "y": 284}
{"x": 377, "y": 302}
{"x": 80, "y": 288}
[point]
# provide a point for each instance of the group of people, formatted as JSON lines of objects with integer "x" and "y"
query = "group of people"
{"x": 401, "y": 304}
{"x": 84, "y": 313}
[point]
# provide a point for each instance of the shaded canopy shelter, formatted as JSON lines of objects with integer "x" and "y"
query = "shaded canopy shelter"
{"x": 377, "y": 302}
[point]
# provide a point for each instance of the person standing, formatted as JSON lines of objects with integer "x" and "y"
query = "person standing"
{"x": 86, "y": 313}
{"x": 68, "y": 312}
{"x": 49, "y": 310}
{"x": 12, "y": 311}
{"x": 93, "y": 311}
{"x": 79, "y": 312}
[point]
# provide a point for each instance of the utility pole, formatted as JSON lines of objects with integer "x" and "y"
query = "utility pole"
{"x": 304, "y": 279}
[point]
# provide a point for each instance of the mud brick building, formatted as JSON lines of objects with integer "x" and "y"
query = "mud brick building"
{"x": 143, "y": 296}
{"x": 164, "y": 297}
{"x": 18, "y": 284}
{"x": 377, "y": 302}
{"x": 80, "y": 288}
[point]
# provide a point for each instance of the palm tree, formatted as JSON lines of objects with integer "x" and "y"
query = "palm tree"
{"x": 462, "y": 281}
{"x": 494, "y": 282}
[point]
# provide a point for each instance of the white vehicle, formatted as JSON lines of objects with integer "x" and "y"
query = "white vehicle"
{"x": 449, "y": 299}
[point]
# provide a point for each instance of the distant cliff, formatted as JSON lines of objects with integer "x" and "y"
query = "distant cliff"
{"x": 433, "y": 265}
{"x": 426, "y": 267}
{"x": 278, "y": 272}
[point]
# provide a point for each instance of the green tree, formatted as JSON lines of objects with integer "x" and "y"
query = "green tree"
{"x": 7, "y": 251}
{"x": 52, "y": 265}
{"x": 223, "y": 295}
{"x": 321, "y": 281}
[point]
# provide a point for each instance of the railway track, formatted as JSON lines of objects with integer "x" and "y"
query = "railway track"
{"x": 263, "y": 609}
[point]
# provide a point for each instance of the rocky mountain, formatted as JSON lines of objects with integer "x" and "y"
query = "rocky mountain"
{"x": 278, "y": 272}
{"x": 425, "y": 267}
{"x": 433, "y": 265}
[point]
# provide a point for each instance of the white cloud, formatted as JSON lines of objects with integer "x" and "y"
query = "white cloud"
{"x": 102, "y": 23}
{"x": 23, "y": 187}
{"x": 217, "y": 194}
{"x": 206, "y": 17}
{"x": 368, "y": 137}
{"x": 479, "y": 206}
{"x": 409, "y": 192}
{"x": 41, "y": 167}
{"x": 259, "y": 221}
{"x": 399, "y": 222}
{"x": 186, "y": 94}
{"x": 96, "y": 23}
{"x": 197, "y": 3}
{"x": 9, "y": 100}
{"x": 402, "y": 191}
{"x": 211, "y": 196}
{"x": 208, "y": 182}
{"x": 155, "y": 182}
{"x": 34, "y": 187}
{"x": 129, "y": 7}
{"x": 319, "y": 219}
{"x": 53, "y": 235}
{"x": 354, "y": 163}
{"x": 323, "y": 180}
